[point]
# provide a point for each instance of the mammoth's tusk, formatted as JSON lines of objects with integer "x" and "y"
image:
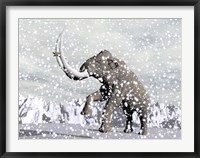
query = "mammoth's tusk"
{"x": 58, "y": 44}
{"x": 57, "y": 52}
{"x": 70, "y": 72}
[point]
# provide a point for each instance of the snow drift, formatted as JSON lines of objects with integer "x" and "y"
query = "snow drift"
{"x": 34, "y": 110}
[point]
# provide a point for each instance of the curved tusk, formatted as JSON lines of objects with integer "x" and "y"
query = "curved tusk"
{"x": 57, "y": 51}
{"x": 70, "y": 72}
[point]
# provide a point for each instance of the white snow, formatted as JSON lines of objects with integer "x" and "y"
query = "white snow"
{"x": 151, "y": 48}
{"x": 34, "y": 110}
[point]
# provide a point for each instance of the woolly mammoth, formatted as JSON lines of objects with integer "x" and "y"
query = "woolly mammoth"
{"x": 120, "y": 87}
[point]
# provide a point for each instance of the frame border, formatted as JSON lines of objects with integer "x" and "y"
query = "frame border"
{"x": 4, "y": 3}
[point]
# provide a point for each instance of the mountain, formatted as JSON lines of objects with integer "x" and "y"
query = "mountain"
{"x": 33, "y": 110}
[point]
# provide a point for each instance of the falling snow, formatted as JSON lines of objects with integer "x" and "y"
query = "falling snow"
{"x": 151, "y": 48}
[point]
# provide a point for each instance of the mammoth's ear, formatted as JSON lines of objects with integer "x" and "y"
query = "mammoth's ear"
{"x": 112, "y": 63}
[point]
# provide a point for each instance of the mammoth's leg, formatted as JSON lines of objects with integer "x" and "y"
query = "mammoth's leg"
{"x": 96, "y": 96}
{"x": 129, "y": 123}
{"x": 143, "y": 120}
{"x": 129, "y": 118}
{"x": 111, "y": 104}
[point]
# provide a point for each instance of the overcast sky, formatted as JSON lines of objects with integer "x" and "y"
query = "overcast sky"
{"x": 150, "y": 47}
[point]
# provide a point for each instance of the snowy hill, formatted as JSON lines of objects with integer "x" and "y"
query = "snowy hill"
{"x": 33, "y": 110}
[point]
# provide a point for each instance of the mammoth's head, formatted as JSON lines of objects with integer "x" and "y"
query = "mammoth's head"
{"x": 99, "y": 64}
{"x": 95, "y": 66}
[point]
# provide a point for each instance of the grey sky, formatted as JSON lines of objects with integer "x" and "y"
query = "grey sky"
{"x": 150, "y": 47}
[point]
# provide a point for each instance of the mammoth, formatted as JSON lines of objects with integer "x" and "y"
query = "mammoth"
{"x": 120, "y": 87}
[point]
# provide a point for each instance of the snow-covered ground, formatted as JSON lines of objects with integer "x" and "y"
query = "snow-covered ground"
{"x": 76, "y": 131}
{"x": 39, "y": 119}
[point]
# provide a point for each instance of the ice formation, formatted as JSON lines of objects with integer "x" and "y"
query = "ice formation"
{"x": 33, "y": 110}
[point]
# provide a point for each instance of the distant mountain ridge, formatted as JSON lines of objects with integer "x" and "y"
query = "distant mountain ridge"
{"x": 33, "y": 110}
